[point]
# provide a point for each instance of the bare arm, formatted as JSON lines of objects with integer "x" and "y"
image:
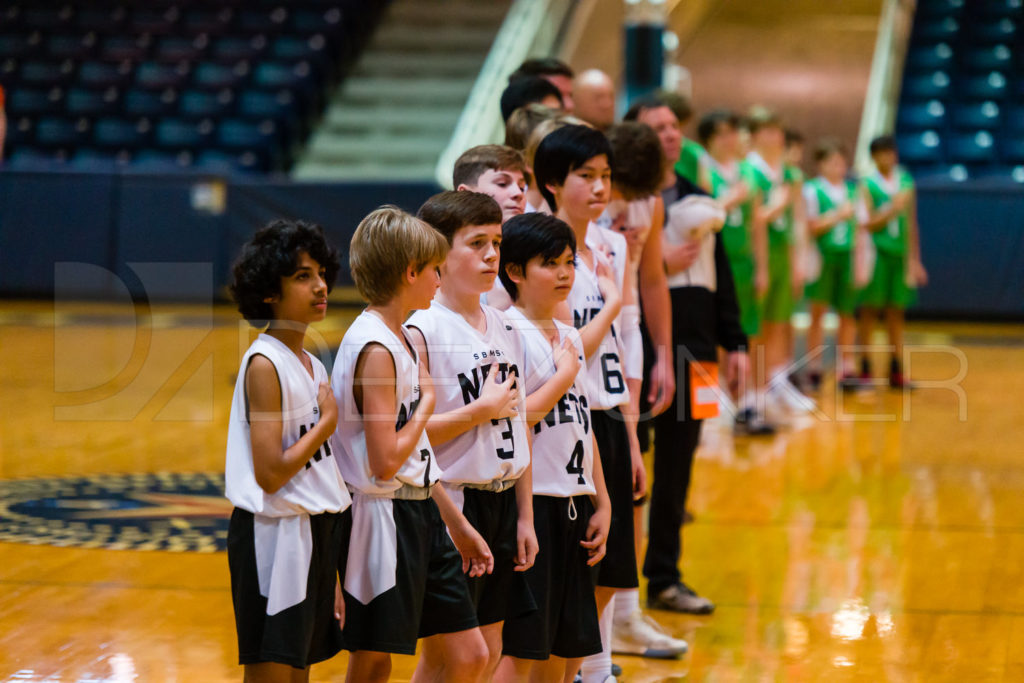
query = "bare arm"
{"x": 657, "y": 314}
{"x": 274, "y": 466}
{"x": 594, "y": 331}
{"x": 374, "y": 390}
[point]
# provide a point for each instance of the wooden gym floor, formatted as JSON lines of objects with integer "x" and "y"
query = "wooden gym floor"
{"x": 882, "y": 540}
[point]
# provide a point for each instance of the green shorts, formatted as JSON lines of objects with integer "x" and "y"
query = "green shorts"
{"x": 746, "y": 295}
{"x": 778, "y": 302}
{"x": 888, "y": 287}
{"x": 834, "y": 286}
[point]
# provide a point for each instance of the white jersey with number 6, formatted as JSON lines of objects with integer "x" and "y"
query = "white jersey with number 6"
{"x": 606, "y": 381}
{"x": 563, "y": 445}
{"x": 461, "y": 359}
{"x": 419, "y": 469}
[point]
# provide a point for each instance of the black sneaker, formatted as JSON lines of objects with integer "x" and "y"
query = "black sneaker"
{"x": 749, "y": 423}
{"x": 680, "y": 598}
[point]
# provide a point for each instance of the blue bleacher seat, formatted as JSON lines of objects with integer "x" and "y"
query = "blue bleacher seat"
{"x": 933, "y": 84}
{"x": 158, "y": 75}
{"x": 930, "y": 57}
{"x": 237, "y": 48}
{"x": 262, "y": 20}
{"x": 100, "y": 74}
{"x": 261, "y": 104}
{"x": 976, "y": 147}
{"x": 71, "y": 46}
{"x": 107, "y": 19}
{"x": 119, "y": 47}
{"x": 178, "y": 48}
{"x": 1013, "y": 118}
{"x": 34, "y": 101}
{"x": 282, "y": 74}
{"x": 120, "y": 133}
{"x": 312, "y": 21}
{"x": 54, "y": 131}
{"x": 997, "y": 8}
{"x": 89, "y": 102}
{"x": 921, "y": 115}
{"x": 150, "y": 102}
{"x": 920, "y": 148}
{"x": 940, "y": 28}
{"x": 47, "y": 16}
{"x": 990, "y": 58}
{"x": 1011, "y": 149}
{"x": 938, "y": 9}
{"x": 207, "y": 20}
{"x": 204, "y": 104}
{"x": 183, "y": 134}
{"x": 18, "y": 44}
{"x": 45, "y": 73}
{"x": 983, "y": 116}
{"x": 1000, "y": 30}
{"x": 212, "y": 76}
{"x": 992, "y": 86}
{"x": 156, "y": 20}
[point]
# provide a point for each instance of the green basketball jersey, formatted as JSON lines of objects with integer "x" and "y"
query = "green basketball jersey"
{"x": 739, "y": 220}
{"x": 840, "y": 237}
{"x": 892, "y": 239}
{"x": 780, "y": 230}
{"x": 689, "y": 160}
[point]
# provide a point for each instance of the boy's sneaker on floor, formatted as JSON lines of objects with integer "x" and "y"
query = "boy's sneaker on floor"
{"x": 898, "y": 380}
{"x": 616, "y": 670}
{"x": 748, "y": 422}
{"x": 849, "y": 382}
{"x": 680, "y": 598}
{"x": 640, "y": 635}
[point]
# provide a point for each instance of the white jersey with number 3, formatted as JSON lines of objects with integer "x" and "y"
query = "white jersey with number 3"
{"x": 563, "y": 444}
{"x": 314, "y": 489}
{"x": 606, "y": 382}
{"x": 419, "y": 469}
{"x": 461, "y": 359}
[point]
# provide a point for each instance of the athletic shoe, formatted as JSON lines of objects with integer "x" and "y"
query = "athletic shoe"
{"x": 748, "y": 422}
{"x": 616, "y": 670}
{"x": 640, "y": 635}
{"x": 795, "y": 400}
{"x": 813, "y": 380}
{"x": 680, "y": 598}
{"x": 898, "y": 380}
{"x": 849, "y": 382}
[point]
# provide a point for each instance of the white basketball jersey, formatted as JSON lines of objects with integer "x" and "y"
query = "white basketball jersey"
{"x": 563, "y": 445}
{"x": 317, "y": 487}
{"x": 460, "y": 359}
{"x": 350, "y": 437}
{"x": 606, "y": 382}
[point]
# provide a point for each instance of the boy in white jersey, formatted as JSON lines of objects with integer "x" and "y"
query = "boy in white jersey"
{"x": 402, "y": 579}
{"x": 572, "y": 168}
{"x": 497, "y": 171}
{"x": 287, "y": 528}
{"x": 571, "y": 506}
{"x": 637, "y": 211}
{"x": 478, "y": 429}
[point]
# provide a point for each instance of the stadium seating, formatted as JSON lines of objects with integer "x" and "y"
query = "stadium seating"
{"x": 961, "y": 108}
{"x": 217, "y": 85}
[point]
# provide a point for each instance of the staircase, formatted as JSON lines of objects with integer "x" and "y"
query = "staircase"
{"x": 395, "y": 113}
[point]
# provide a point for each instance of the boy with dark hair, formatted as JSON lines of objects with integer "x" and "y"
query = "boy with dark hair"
{"x": 557, "y": 72}
{"x": 287, "y": 529}
{"x": 571, "y": 506}
{"x": 497, "y": 171}
{"x": 478, "y": 429}
{"x": 730, "y": 180}
{"x": 891, "y": 200}
{"x": 573, "y": 172}
{"x": 636, "y": 211}
{"x": 831, "y": 202}
{"x": 402, "y": 579}
{"x": 526, "y": 90}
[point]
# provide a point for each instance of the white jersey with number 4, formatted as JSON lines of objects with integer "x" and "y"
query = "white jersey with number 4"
{"x": 419, "y": 469}
{"x": 563, "y": 445}
{"x": 606, "y": 382}
{"x": 317, "y": 487}
{"x": 461, "y": 359}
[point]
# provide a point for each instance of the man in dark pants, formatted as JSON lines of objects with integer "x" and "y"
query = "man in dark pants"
{"x": 705, "y": 315}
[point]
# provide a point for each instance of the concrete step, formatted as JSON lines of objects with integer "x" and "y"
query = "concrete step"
{"x": 369, "y": 170}
{"x": 435, "y": 38}
{"x": 384, "y": 62}
{"x": 376, "y": 147}
{"x": 394, "y": 119}
{"x": 484, "y": 12}
{"x": 398, "y": 90}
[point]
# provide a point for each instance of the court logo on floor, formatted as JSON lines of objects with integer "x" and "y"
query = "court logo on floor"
{"x": 160, "y": 511}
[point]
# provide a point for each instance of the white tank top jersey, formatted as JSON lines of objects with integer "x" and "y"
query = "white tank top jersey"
{"x": 460, "y": 359}
{"x": 419, "y": 469}
{"x": 606, "y": 382}
{"x": 317, "y": 487}
{"x": 563, "y": 446}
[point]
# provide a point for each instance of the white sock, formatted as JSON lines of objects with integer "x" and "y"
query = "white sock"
{"x": 598, "y": 667}
{"x": 627, "y": 603}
